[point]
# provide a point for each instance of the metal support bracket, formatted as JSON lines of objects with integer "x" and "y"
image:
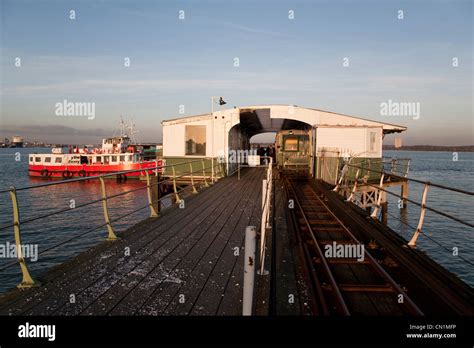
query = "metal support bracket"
{"x": 412, "y": 242}
{"x": 153, "y": 212}
{"x": 27, "y": 281}
{"x": 111, "y": 236}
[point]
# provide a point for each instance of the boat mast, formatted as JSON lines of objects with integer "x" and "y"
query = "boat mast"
{"x": 132, "y": 132}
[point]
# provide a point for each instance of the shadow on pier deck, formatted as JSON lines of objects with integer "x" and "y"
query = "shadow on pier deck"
{"x": 187, "y": 261}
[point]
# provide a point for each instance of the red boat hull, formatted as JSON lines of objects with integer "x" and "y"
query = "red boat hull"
{"x": 84, "y": 170}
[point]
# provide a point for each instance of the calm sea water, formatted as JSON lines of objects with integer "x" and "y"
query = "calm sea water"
{"x": 53, "y": 230}
{"x": 437, "y": 167}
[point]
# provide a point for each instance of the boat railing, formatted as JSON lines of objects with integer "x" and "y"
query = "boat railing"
{"x": 355, "y": 183}
{"x": 207, "y": 170}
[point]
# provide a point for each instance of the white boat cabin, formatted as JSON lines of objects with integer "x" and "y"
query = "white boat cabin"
{"x": 116, "y": 144}
{"x": 55, "y": 159}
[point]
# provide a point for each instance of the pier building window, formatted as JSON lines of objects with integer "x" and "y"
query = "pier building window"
{"x": 195, "y": 140}
{"x": 372, "y": 139}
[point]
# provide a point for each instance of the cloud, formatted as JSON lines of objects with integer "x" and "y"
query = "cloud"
{"x": 256, "y": 30}
{"x": 113, "y": 86}
{"x": 34, "y": 131}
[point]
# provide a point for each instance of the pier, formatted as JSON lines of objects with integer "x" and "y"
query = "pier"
{"x": 188, "y": 259}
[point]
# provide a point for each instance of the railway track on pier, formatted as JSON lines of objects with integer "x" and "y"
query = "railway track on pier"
{"x": 339, "y": 283}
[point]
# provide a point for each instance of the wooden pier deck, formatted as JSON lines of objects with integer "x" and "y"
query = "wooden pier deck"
{"x": 184, "y": 262}
{"x": 189, "y": 261}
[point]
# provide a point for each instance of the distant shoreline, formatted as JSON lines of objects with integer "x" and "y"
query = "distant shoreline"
{"x": 434, "y": 148}
{"x": 468, "y": 148}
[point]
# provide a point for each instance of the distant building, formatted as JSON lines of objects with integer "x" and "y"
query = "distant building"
{"x": 17, "y": 141}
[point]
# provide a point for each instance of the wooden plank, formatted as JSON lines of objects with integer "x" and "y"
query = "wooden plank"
{"x": 156, "y": 301}
{"x": 359, "y": 304}
{"x": 234, "y": 288}
{"x": 178, "y": 246}
{"x": 128, "y": 294}
{"x": 205, "y": 267}
{"x": 286, "y": 282}
{"x": 214, "y": 289}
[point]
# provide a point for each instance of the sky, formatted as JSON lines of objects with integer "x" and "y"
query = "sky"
{"x": 183, "y": 62}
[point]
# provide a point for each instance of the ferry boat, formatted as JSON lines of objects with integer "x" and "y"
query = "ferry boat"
{"x": 115, "y": 155}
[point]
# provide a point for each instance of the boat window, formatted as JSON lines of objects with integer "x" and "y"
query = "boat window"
{"x": 114, "y": 158}
{"x": 58, "y": 160}
{"x": 31, "y": 159}
{"x": 106, "y": 159}
{"x": 47, "y": 159}
{"x": 122, "y": 158}
{"x": 290, "y": 144}
{"x": 130, "y": 158}
{"x": 195, "y": 140}
{"x": 37, "y": 159}
{"x": 98, "y": 158}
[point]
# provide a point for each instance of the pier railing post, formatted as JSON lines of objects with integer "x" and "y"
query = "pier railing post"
{"x": 341, "y": 178}
{"x": 192, "y": 178}
{"x": 27, "y": 280}
{"x": 153, "y": 212}
{"x": 379, "y": 198}
{"x": 249, "y": 269}
{"x": 413, "y": 239}
{"x": 156, "y": 192}
{"x": 212, "y": 170}
{"x": 404, "y": 194}
{"x": 111, "y": 235}
{"x": 204, "y": 173}
{"x": 217, "y": 171}
{"x": 354, "y": 189}
{"x": 175, "y": 189}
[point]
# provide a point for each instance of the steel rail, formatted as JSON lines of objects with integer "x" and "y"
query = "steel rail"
{"x": 376, "y": 266}
{"x": 411, "y": 306}
{"x": 338, "y": 295}
{"x": 310, "y": 268}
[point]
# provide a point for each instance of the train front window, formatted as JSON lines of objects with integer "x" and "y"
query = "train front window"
{"x": 290, "y": 144}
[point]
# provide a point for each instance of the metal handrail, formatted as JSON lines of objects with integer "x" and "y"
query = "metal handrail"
{"x": 422, "y": 205}
{"x": 97, "y": 200}
{"x": 264, "y": 223}
{"x": 415, "y": 180}
{"x": 17, "y": 223}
